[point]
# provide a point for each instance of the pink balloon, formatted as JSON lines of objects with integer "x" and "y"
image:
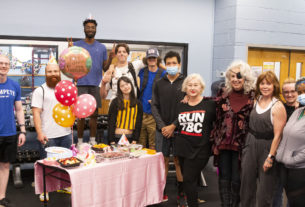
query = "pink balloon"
{"x": 84, "y": 106}
{"x": 66, "y": 92}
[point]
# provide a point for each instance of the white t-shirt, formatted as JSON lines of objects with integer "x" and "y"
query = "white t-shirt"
{"x": 123, "y": 71}
{"x": 49, "y": 127}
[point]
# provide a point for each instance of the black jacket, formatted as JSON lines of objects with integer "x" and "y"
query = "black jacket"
{"x": 165, "y": 99}
{"x": 113, "y": 112}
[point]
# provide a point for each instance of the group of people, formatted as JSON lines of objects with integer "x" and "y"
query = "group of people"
{"x": 244, "y": 127}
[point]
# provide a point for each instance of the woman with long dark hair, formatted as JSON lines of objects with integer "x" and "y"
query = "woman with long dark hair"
{"x": 125, "y": 113}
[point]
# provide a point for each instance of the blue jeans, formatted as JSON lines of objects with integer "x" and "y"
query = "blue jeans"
{"x": 64, "y": 141}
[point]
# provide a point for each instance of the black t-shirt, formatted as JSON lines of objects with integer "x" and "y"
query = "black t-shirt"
{"x": 289, "y": 110}
{"x": 195, "y": 124}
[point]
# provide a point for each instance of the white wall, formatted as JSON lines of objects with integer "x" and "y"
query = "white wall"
{"x": 183, "y": 21}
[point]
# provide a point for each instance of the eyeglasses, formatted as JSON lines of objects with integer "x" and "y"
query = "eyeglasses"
{"x": 289, "y": 92}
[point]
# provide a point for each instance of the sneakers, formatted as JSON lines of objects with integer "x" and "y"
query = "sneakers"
{"x": 6, "y": 203}
{"x": 181, "y": 200}
{"x": 165, "y": 198}
{"x": 41, "y": 197}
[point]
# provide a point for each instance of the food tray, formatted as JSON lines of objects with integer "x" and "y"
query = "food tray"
{"x": 114, "y": 155}
{"x": 69, "y": 165}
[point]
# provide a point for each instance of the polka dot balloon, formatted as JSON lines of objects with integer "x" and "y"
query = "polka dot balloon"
{"x": 63, "y": 115}
{"x": 66, "y": 92}
{"x": 84, "y": 106}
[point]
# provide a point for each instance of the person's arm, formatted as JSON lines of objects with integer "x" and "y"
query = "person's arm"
{"x": 20, "y": 120}
{"x": 37, "y": 123}
{"x": 106, "y": 81}
{"x": 107, "y": 62}
{"x": 155, "y": 106}
{"x": 137, "y": 130}
{"x": 279, "y": 121}
{"x": 112, "y": 115}
{"x": 138, "y": 65}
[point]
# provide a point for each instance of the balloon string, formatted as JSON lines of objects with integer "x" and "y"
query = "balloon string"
{"x": 72, "y": 134}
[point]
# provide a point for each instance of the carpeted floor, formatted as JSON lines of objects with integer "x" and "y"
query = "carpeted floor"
{"x": 25, "y": 196}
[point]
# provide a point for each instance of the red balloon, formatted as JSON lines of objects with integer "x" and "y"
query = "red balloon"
{"x": 84, "y": 106}
{"x": 66, "y": 92}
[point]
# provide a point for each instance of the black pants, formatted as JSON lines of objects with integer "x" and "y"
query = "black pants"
{"x": 294, "y": 184}
{"x": 190, "y": 170}
{"x": 229, "y": 166}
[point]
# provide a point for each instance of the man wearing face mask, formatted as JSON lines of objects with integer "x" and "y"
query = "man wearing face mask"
{"x": 166, "y": 96}
{"x": 43, "y": 102}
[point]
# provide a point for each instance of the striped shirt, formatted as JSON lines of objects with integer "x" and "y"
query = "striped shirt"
{"x": 126, "y": 118}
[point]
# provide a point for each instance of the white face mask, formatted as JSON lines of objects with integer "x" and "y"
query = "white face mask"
{"x": 172, "y": 70}
{"x": 301, "y": 99}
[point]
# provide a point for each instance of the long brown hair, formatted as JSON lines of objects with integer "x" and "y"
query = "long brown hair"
{"x": 270, "y": 78}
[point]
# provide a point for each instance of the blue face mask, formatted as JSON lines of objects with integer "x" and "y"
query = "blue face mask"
{"x": 172, "y": 70}
{"x": 301, "y": 99}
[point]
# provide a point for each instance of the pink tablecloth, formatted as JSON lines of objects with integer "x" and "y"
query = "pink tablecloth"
{"x": 122, "y": 183}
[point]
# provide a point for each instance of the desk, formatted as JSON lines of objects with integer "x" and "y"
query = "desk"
{"x": 134, "y": 182}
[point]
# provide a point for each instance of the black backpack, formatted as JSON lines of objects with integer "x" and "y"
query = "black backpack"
{"x": 145, "y": 79}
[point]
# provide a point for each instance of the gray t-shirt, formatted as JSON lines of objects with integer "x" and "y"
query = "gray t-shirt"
{"x": 291, "y": 151}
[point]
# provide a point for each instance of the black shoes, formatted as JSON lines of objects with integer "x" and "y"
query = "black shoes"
{"x": 6, "y": 203}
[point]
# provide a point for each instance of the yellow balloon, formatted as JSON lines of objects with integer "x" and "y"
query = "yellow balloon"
{"x": 63, "y": 115}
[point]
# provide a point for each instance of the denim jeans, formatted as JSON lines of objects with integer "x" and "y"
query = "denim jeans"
{"x": 64, "y": 141}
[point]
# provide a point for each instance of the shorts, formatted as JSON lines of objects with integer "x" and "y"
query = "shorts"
{"x": 8, "y": 148}
{"x": 165, "y": 145}
{"x": 92, "y": 90}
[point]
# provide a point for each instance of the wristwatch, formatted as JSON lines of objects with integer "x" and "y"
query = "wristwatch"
{"x": 271, "y": 157}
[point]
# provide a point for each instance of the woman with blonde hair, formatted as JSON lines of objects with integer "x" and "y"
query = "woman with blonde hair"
{"x": 195, "y": 119}
{"x": 234, "y": 105}
{"x": 267, "y": 120}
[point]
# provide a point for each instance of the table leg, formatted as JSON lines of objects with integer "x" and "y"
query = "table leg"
{"x": 44, "y": 186}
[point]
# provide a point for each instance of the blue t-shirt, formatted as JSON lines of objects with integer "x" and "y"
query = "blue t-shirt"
{"x": 147, "y": 93}
{"x": 9, "y": 93}
{"x": 98, "y": 53}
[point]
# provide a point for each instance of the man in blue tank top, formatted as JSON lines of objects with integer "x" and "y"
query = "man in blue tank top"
{"x": 10, "y": 100}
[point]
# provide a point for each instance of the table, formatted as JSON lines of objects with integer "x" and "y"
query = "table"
{"x": 120, "y": 183}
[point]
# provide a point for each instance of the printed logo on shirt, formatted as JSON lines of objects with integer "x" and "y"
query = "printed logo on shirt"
{"x": 192, "y": 122}
{"x": 5, "y": 93}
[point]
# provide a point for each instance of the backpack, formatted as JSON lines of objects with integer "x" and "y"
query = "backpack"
{"x": 145, "y": 79}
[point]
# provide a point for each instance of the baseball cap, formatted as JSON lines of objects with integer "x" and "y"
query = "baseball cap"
{"x": 152, "y": 52}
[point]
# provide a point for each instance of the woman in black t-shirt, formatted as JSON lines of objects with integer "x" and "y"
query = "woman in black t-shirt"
{"x": 195, "y": 121}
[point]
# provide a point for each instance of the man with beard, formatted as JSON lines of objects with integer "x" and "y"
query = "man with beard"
{"x": 89, "y": 84}
{"x": 10, "y": 93}
{"x": 43, "y": 102}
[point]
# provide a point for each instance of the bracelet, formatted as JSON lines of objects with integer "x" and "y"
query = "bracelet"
{"x": 21, "y": 125}
{"x": 271, "y": 163}
{"x": 23, "y": 133}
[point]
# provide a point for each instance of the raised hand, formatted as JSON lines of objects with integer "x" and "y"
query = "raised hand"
{"x": 70, "y": 42}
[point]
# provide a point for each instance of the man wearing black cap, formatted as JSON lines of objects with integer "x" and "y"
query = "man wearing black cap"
{"x": 89, "y": 84}
{"x": 148, "y": 76}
